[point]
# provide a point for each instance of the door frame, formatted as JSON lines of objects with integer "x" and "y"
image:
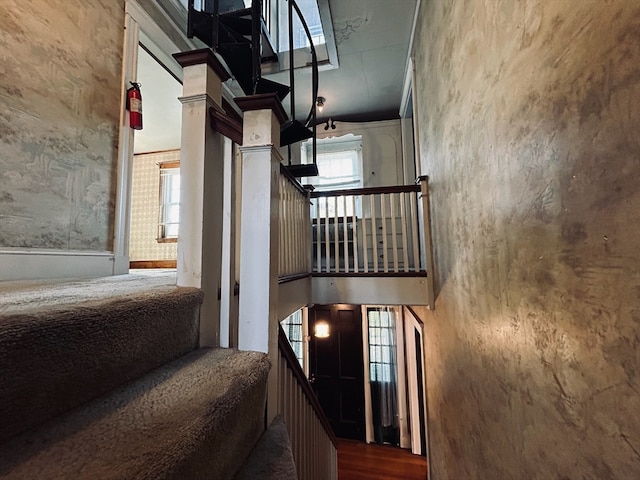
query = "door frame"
{"x": 413, "y": 325}
{"x": 139, "y": 28}
{"x": 401, "y": 391}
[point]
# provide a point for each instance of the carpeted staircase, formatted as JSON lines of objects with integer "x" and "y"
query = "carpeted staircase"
{"x": 103, "y": 379}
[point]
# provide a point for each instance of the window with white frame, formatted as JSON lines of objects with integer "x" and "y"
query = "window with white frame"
{"x": 339, "y": 163}
{"x": 169, "y": 201}
{"x": 382, "y": 344}
{"x": 311, "y": 13}
{"x": 294, "y": 331}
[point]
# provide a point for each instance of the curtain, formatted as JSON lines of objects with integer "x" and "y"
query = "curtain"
{"x": 384, "y": 374}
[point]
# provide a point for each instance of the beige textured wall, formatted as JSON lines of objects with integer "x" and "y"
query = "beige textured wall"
{"x": 60, "y": 73}
{"x": 145, "y": 208}
{"x": 530, "y": 132}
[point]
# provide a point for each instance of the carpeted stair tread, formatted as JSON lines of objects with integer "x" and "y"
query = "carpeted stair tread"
{"x": 32, "y": 296}
{"x": 271, "y": 458}
{"x": 196, "y": 417}
{"x": 55, "y": 356}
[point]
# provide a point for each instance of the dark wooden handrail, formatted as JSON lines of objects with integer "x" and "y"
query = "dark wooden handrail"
{"x": 293, "y": 278}
{"x": 367, "y": 191}
{"x": 226, "y": 124}
{"x": 411, "y": 273}
{"x": 294, "y": 365}
{"x": 293, "y": 180}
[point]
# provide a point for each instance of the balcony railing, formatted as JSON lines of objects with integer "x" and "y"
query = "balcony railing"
{"x": 367, "y": 231}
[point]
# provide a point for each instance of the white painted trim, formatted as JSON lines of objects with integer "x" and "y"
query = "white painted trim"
{"x": 412, "y": 374}
{"x": 227, "y": 283}
{"x": 409, "y": 67}
{"x": 369, "y": 290}
{"x": 407, "y": 88}
{"x": 19, "y": 264}
{"x": 408, "y": 150}
{"x": 419, "y": 326}
{"x": 368, "y": 403}
{"x": 292, "y": 296}
{"x": 125, "y": 149}
{"x": 326, "y": 19}
{"x": 305, "y": 343}
{"x": 401, "y": 365}
{"x": 154, "y": 38}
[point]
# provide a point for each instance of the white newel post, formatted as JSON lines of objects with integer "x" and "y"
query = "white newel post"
{"x": 201, "y": 186}
{"x": 259, "y": 230}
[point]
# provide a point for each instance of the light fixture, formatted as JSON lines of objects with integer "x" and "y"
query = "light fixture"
{"x": 321, "y": 329}
{"x": 320, "y": 103}
{"x": 333, "y": 125}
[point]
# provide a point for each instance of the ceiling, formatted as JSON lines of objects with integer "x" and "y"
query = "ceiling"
{"x": 372, "y": 41}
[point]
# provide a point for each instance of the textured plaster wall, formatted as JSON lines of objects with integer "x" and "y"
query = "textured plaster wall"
{"x": 145, "y": 208}
{"x": 530, "y": 132}
{"x": 60, "y": 70}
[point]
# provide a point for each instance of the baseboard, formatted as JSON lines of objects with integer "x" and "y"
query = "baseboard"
{"x": 18, "y": 264}
{"x": 152, "y": 264}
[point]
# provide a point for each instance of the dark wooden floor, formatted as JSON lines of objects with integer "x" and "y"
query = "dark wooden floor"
{"x": 359, "y": 461}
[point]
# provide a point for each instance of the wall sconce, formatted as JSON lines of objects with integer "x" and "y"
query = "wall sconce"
{"x": 333, "y": 125}
{"x": 321, "y": 330}
{"x": 320, "y": 103}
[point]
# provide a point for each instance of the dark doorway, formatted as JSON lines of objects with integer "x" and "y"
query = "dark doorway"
{"x": 336, "y": 369}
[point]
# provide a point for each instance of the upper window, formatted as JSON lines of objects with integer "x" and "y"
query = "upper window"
{"x": 339, "y": 167}
{"x": 311, "y": 15}
{"x": 169, "y": 201}
{"x": 339, "y": 162}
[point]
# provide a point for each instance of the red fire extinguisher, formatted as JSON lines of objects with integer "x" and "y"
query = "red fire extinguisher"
{"x": 134, "y": 105}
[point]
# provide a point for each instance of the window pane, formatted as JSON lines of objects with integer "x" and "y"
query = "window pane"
{"x": 338, "y": 162}
{"x": 311, "y": 15}
{"x": 292, "y": 326}
{"x": 170, "y": 198}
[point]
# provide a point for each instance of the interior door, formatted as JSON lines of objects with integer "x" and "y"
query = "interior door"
{"x": 336, "y": 368}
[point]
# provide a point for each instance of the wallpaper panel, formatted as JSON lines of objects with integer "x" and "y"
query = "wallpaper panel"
{"x": 60, "y": 73}
{"x": 145, "y": 208}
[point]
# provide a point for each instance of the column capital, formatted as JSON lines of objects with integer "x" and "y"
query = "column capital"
{"x": 263, "y": 118}
{"x": 203, "y": 55}
{"x": 203, "y": 76}
{"x": 263, "y": 101}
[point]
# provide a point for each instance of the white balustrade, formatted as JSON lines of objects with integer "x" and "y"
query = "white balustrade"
{"x": 312, "y": 440}
{"x": 367, "y": 231}
{"x": 295, "y": 231}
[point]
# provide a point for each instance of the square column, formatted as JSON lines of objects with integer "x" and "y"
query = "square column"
{"x": 259, "y": 227}
{"x": 260, "y": 232}
{"x": 201, "y": 186}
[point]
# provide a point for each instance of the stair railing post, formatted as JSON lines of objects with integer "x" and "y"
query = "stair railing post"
{"x": 260, "y": 231}
{"x": 201, "y": 186}
{"x": 427, "y": 250}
